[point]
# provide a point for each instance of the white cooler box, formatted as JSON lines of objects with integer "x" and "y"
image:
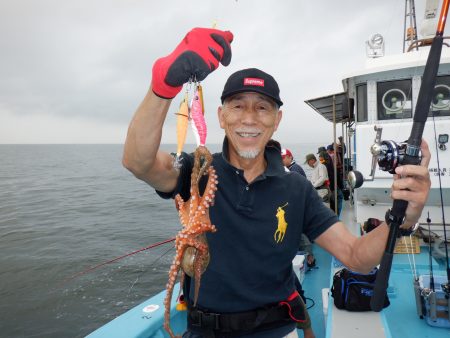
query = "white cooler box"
{"x": 299, "y": 265}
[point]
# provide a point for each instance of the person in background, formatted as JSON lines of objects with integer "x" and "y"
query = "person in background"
{"x": 319, "y": 175}
{"x": 321, "y": 149}
{"x": 341, "y": 146}
{"x": 289, "y": 162}
{"x": 326, "y": 160}
{"x": 340, "y": 182}
{"x": 305, "y": 243}
{"x": 332, "y": 154}
{"x": 274, "y": 144}
{"x": 256, "y": 211}
{"x": 306, "y": 246}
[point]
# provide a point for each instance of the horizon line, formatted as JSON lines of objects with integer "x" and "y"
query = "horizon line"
{"x": 162, "y": 143}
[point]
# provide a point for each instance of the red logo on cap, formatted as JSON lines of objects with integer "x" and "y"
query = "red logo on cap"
{"x": 252, "y": 81}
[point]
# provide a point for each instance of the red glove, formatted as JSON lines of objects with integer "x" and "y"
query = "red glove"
{"x": 196, "y": 56}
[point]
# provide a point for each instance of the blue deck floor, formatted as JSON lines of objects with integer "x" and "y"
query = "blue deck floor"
{"x": 315, "y": 280}
{"x": 401, "y": 316}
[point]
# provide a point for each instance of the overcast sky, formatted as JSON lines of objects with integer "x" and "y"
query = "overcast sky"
{"x": 74, "y": 71}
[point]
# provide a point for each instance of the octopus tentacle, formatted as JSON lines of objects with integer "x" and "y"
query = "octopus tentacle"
{"x": 202, "y": 154}
{"x": 173, "y": 273}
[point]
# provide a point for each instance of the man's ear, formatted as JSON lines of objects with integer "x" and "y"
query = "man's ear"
{"x": 279, "y": 116}
{"x": 220, "y": 116}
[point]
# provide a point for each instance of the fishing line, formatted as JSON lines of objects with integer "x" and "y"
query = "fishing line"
{"x": 429, "y": 254}
{"x": 412, "y": 265}
{"x": 442, "y": 200}
{"x": 150, "y": 266}
{"x": 68, "y": 279}
{"x": 413, "y": 258}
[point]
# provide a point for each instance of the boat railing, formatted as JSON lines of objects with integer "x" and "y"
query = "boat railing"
{"x": 425, "y": 42}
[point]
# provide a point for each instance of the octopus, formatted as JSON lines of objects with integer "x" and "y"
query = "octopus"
{"x": 192, "y": 253}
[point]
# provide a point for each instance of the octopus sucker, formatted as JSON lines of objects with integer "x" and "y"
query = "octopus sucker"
{"x": 192, "y": 252}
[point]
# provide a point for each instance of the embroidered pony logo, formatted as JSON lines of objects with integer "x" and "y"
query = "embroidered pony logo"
{"x": 282, "y": 224}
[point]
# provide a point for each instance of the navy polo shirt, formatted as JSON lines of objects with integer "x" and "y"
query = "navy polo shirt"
{"x": 248, "y": 267}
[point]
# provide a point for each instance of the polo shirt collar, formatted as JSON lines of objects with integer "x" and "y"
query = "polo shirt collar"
{"x": 274, "y": 167}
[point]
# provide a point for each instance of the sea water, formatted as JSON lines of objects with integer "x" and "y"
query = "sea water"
{"x": 66, "y": 208}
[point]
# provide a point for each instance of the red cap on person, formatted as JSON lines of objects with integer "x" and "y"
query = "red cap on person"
{"x": 286, "y": 152}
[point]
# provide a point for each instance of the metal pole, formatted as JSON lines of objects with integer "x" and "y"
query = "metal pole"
{"x": 343, "y": 155}
{"x": 349, "y": 153}
{"x": 349, "y": 147}
{"x": 335, "y": 155}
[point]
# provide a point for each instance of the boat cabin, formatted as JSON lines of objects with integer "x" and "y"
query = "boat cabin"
{"x": 382, "y": 98}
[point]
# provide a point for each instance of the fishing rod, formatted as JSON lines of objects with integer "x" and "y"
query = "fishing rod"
{"x": 154, "y": 245}
{"x": 411, "y": 155}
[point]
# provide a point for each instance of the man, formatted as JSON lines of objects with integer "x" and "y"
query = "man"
{"x": 334, "y": 157}
{"x": 319, "y": 176}
{"x": 321, "y": 149}
{"x": 326, "y": 160}
{"x": 336, "y": 163}
{"x": 250, "y": 271}
{"x": 341, "y": 146}
{"x": 289, "y": 162}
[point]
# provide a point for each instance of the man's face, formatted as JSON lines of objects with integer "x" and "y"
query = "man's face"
{"x": 287, "y": 160}
{"x": 311, "y": 163}
{"x": 249, "y": 120}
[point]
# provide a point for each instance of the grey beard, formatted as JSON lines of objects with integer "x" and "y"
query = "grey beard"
{"x": 248, "y": 154}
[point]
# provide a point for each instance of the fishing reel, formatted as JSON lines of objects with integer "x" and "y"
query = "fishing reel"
{"x": 391, "y": 155}
{"x": 388, "y": 154}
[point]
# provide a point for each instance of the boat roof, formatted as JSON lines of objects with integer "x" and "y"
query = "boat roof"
{"x": 392, "y": 64}
{"x": 324, "y": 106}
{"x": 399, "y": 61}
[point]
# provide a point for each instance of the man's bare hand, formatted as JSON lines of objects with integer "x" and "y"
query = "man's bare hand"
{"x": 412, "y": 183}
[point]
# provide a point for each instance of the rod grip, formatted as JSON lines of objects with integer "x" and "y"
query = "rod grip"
{"x": 381, "y": 284}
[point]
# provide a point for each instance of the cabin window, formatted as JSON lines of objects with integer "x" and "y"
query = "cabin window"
{"x": 440, "y": 105}
{"x": 394, "y": 100}
{"x": 361, "y": 97}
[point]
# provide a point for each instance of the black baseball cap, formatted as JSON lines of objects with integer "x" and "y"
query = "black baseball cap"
{"x": 252, "y": 80}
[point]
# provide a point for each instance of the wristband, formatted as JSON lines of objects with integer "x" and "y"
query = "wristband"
{"x": 389, "y": 218}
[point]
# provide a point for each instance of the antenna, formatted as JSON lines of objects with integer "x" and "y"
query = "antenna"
{"x": 410, "y": 33}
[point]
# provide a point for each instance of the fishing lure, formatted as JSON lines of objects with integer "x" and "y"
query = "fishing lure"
{"x": 197, "y": 116}
{"x": 182, "y": 124}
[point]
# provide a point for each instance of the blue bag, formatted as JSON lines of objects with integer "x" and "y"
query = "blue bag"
{"x": 352, "y": 291}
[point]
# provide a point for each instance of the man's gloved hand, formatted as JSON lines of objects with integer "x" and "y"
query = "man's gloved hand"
{"x": 196, "y": 56}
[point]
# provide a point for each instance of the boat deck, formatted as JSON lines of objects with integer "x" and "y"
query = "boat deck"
{"x": 399, "y": 320}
